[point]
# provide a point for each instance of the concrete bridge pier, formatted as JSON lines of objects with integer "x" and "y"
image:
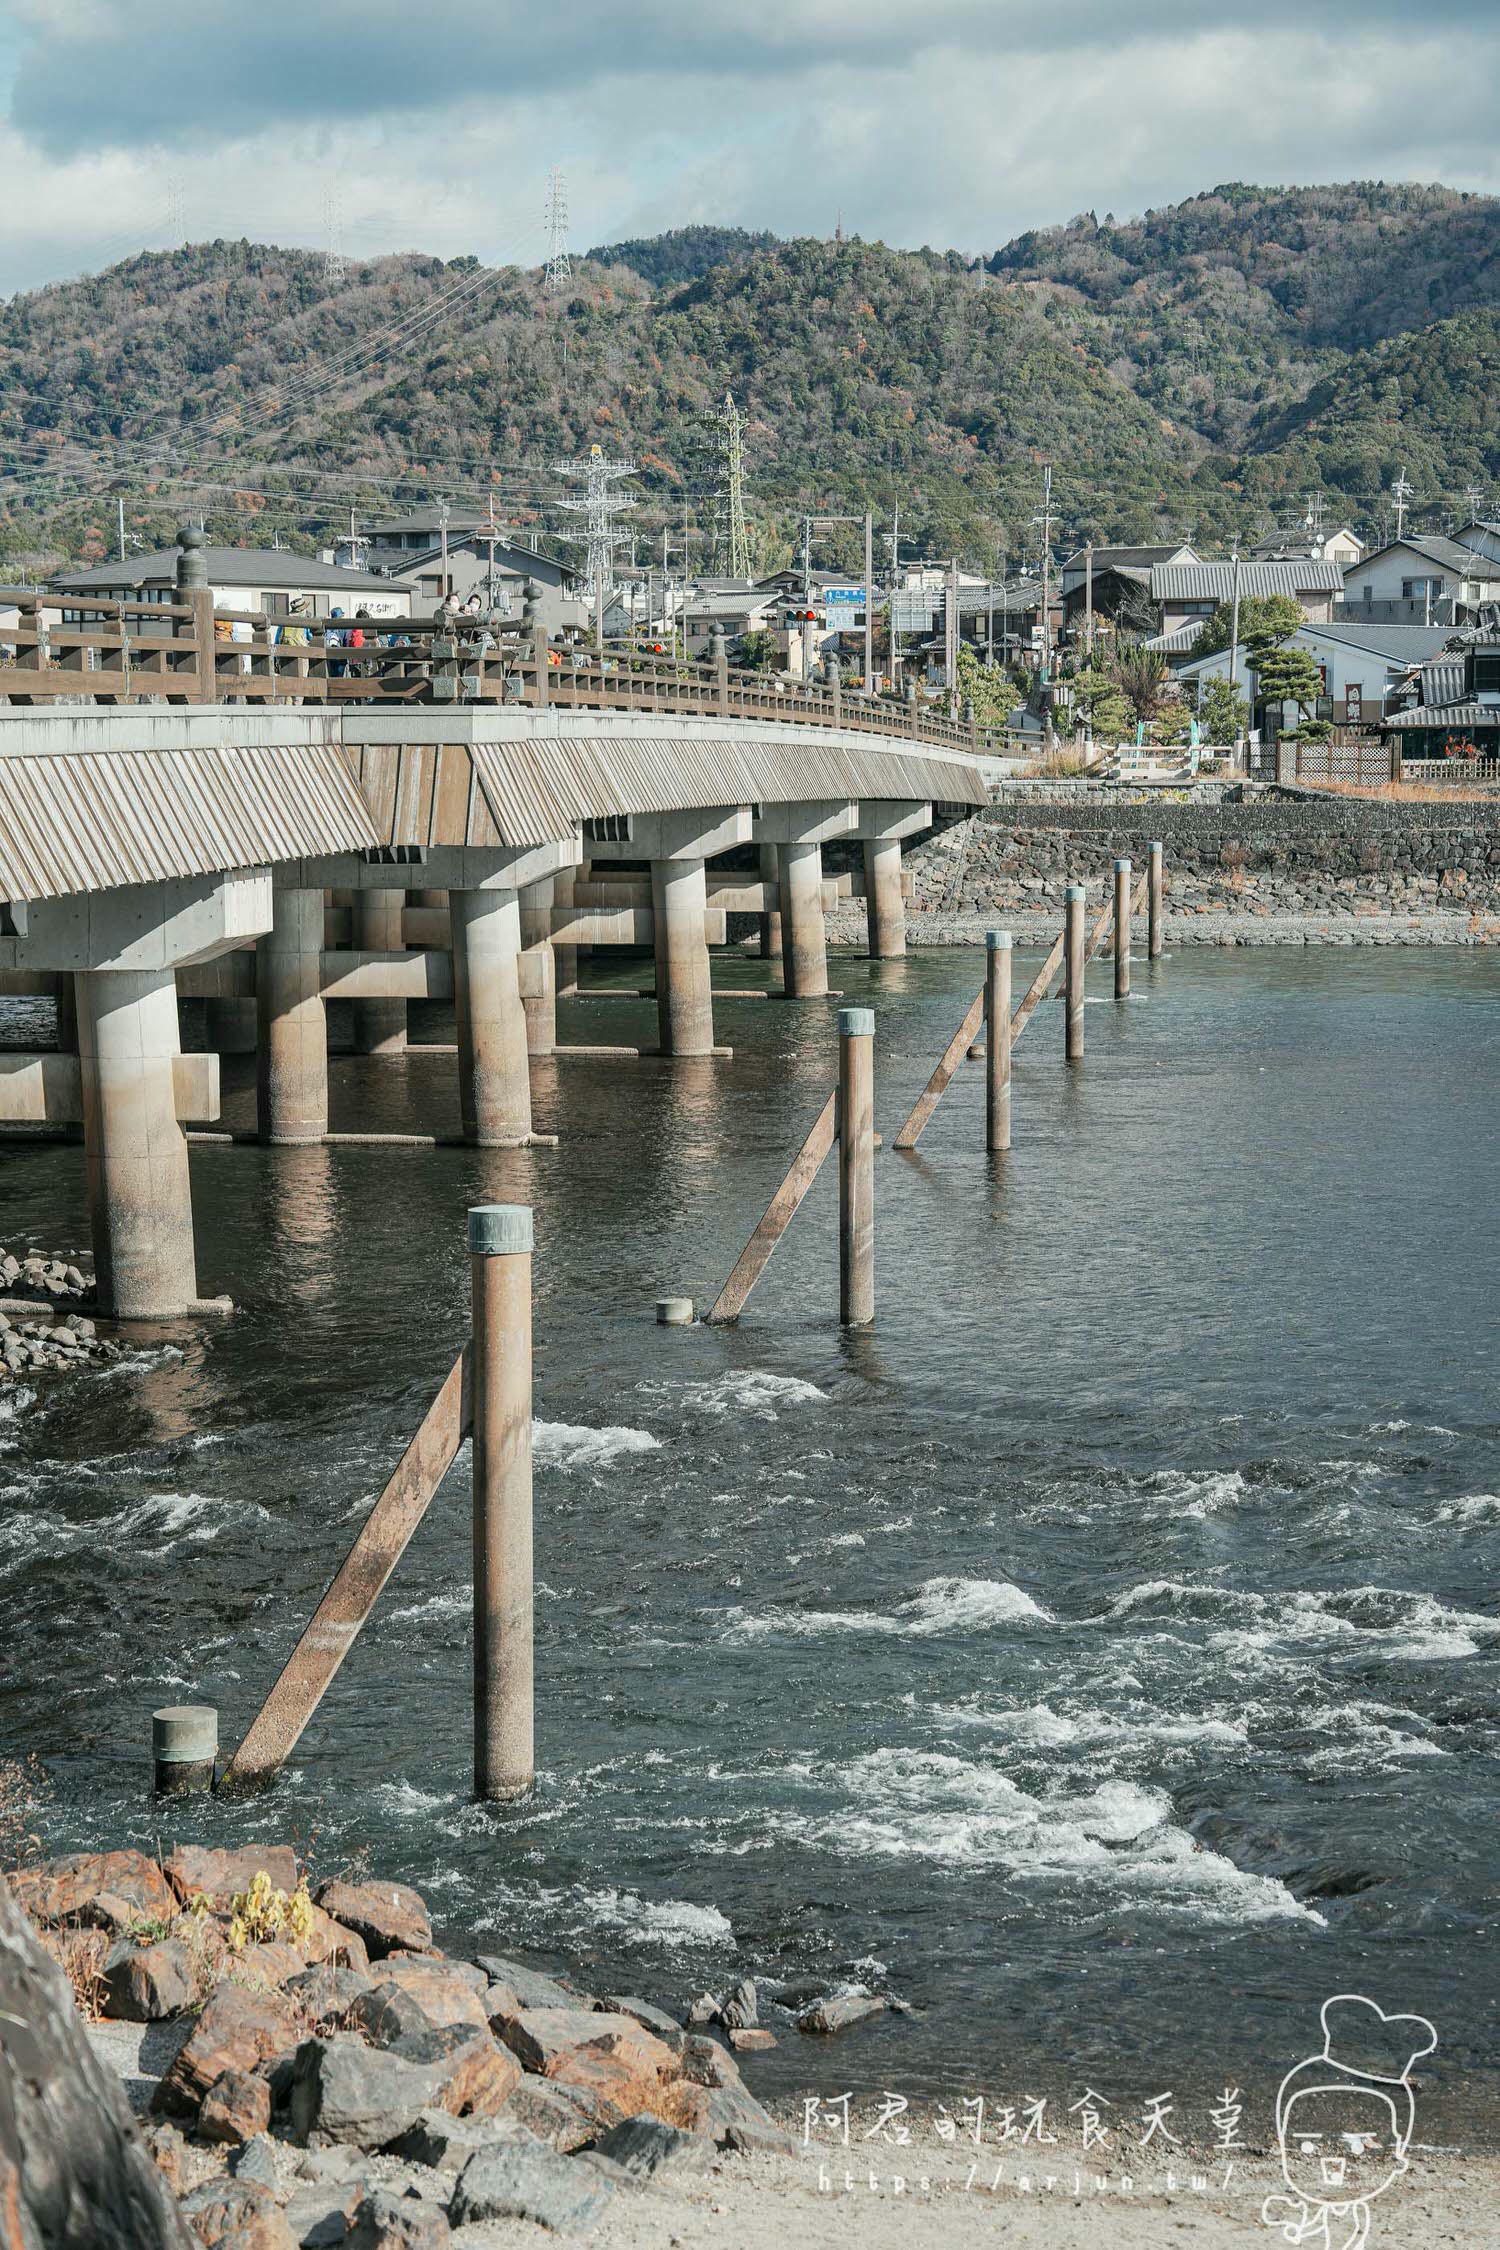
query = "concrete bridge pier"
{"x": 883, "y": 824}
{"x": 804, "y": 940}
{"x": 684, "y": 1001}
{"x": 676, "y": 845}
{"x": 799, "y": 830}
{"x": 494, "y": 1082}
{"x": 379, "y": 1025}
{"x": 885, "y": 909}
{"x": 292, "y": 1059}
{"x": 540, "y": 1000}
{"x": 140, "y": 1195}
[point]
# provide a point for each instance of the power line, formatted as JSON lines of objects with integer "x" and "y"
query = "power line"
{"x": 559, "y": 271}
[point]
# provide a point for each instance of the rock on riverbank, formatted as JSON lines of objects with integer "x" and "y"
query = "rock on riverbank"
{"x": 313, "y": 2070}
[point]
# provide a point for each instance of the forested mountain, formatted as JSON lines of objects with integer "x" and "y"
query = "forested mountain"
{"x": 684, "y": 254}
{"x": 1191, "y": 373}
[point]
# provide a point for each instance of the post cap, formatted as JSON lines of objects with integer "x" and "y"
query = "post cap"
{"x": 500, "y": 1230}
{"x": 1156, "y": 846}
{"x": 184, "y": 1734}
{"x": 1122, "y": 867}
{"x": 997, "y": 941}
{"x": 1075, "y": 891}
{"x": 856, "y": 1023}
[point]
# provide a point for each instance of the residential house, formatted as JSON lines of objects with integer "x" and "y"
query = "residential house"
{"x": 1457, "y": 706}
{"x": 1425, "y": 578}
{"x": 1342, "y": 546}
{"x": 499, "y": 573}
{"x": 1120, "y": 577}
{"x": 1362, "y": 666}
{"x": 264, "y": 579}
{"x": 1189, "y": 593}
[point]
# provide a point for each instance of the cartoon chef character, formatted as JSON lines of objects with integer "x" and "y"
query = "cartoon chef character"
{"x": 1344, "y": 2122}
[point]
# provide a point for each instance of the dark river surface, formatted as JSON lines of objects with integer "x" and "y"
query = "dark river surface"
{"x": 1101, "y": 1655}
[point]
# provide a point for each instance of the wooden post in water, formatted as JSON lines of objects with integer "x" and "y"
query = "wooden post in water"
{"x": 1073, "y": 972}
{"x": 856, "y": 1115}
{"x": 500, "y": 1242}
{"x": 1122, "y": 929}
{"x": 1154, "y": 903}
{"x": 997, "y": 1039}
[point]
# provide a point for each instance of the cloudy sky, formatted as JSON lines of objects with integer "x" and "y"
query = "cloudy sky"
{"x": 954, "y": 122}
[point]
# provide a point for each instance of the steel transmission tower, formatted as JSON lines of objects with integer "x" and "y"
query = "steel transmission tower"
{"x": 731, "y": 543}
{"x": 598, "y": 503}
{"x": 335, "y": 264}
{"x": 1401, "y": 493}
{"x": 559, "y": 269}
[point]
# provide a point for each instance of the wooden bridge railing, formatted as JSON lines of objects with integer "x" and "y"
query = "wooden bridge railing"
{"x": 78, "y": 649}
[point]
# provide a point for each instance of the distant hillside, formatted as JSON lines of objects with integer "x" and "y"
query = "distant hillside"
{"x": 1243, "y": 297}
{"x": 1424, "y": 402}
{"x": 686, "y": 254}
{"x": 1184, "y": 374}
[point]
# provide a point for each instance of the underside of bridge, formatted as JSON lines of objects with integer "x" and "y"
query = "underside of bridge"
{"x": 270, "y": 861}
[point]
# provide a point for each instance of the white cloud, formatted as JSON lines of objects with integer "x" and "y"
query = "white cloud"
{"x": 959, "y": 124}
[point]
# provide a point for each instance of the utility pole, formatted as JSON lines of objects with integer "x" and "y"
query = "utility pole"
{"x": 950, "y": 638}
{"x": 1043, "y": 517}
{"x": 1234, "y": 630}
{"x": 895, "y": 582}
{"x": 120, "y": 510}
{"x": 869, "y": 603}
{"x": 1088, "y": 602}
{"x": 443, "y": 512}
{"x": 1401, "y": 493}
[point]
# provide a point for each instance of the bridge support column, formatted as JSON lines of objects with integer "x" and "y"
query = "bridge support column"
{"x": 536, "y": 903}
{"x": 885, "y": 909}
{"x": 494, "y": 1083}
{"x": 770, "y": 924}
{"x": 804, "y": 944}
{"x": 292, "y": 1059}
{"x": 684, "y": 1004}
{"x": 140, "y": 1195}
{"x": 379, "y": 1025}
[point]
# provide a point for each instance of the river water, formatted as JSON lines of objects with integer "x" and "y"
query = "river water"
{"x": 1101, "y": 1655}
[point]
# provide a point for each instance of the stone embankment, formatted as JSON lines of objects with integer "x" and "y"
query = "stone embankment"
{"x": 311, "y": 2069}
{"x": 1261, "y": 866}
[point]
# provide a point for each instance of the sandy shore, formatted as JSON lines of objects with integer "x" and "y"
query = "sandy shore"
{"x": 776, "y": 2203}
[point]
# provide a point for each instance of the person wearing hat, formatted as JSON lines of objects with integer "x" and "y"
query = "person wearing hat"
{"x": 1344, "y": 2121}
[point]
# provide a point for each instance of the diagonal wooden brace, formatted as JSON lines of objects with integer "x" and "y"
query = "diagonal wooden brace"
{"x": 383, "y": 1538}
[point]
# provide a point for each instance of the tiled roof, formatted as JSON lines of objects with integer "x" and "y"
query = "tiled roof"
{"x": 225, "y": 566}
{"x": 1205, "y": 582}
{"x": 1469, "y": 714}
